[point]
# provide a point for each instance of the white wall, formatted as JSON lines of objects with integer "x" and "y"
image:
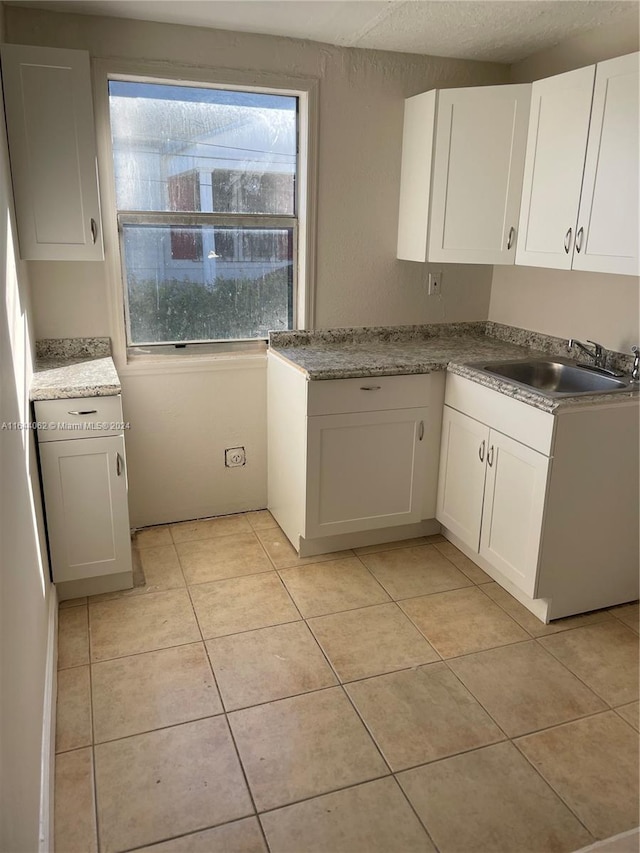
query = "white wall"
{"x": 174, "y": 458}
{"x": 25, "y": 590}
{"x": 604, "y": 308}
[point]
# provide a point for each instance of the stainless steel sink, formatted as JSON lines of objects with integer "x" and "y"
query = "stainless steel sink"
{"x": 558, "y": 377}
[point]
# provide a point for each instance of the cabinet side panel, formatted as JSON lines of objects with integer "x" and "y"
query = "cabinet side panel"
{"x": 415, "y": 179}
{"x": 589, "y": 556}
{"x": 286, "y": 445}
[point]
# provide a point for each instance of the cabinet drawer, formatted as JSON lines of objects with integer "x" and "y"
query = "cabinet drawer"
{"x": 368, "y": 394}
{"x": 78, "y": 417}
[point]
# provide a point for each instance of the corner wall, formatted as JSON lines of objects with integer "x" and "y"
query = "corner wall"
{"x": 568, "y": 303}
{"x": 25, "y": 590}
{"x": 180, "y": 422}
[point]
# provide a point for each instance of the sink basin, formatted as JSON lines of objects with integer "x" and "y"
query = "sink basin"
{"x": 556, "y": 377}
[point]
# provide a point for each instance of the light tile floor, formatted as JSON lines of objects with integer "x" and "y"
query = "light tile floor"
{"x": 390, "y": 699}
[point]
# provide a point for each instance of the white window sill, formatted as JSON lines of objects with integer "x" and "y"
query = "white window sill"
{"x": 200, "y": 358}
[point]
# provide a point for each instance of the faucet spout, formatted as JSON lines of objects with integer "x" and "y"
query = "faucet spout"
{"x": 597, "y": 354}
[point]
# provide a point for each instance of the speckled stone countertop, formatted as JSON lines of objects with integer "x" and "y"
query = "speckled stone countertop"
{"x": 74, "y": 367}
{"x": 388, "y": 351}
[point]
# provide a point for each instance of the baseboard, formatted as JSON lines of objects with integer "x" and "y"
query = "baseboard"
{"x": 378, "y": 536}
{"x": 47, "y": 761}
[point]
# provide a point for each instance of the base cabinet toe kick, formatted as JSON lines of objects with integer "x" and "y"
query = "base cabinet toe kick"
{"x": 84, "y": 483}
{"x": 546, "y": 504}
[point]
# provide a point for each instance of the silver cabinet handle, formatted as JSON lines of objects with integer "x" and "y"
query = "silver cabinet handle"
{"x": 512, "y": 234}
{"x": 94, "y": 230}
{"x": 84, "y": 412}
{"x": 370, "y": 387}
{"x": 119, "y": 464}
{"x": 421, "y": 431}
{"x": 481, "y": 451}
{"x": 579, "y": 238}
{"x": 490, "y": 457}
{"x": 567, "y": 240}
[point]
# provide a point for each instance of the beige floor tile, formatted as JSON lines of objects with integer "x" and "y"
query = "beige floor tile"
{"x": 283, "y": 554}
{"x": 391, "y": 546}
{"x": 593, "y": 765}
{"x": 73, "y": 637}
{"x": 261, "y": 519}
{"x": 462, "y": 562}
{"x": 209, "y": 528}
{"x": 153, "y": 537}
{"x": 371, "y": 641}
{"x": 408, "y": 572}
{"x": 153, "y": 786}
{"x": 304, "y": 746}
{"x": 72, "y": 602}
{"x": 631, "y": 714}
{"x": 604, "y": 656}
{"x": 420, "y": 715}
{"x": 267, "y": 664}
{"x": 491, "y": 801}
{"x": 241, "y": 836}
{"x": 333, "y": 586}
{"x": 524, "y": 688}
{"x": 74, "y": 818}
{"x": 73, "y": 709}
{"x": 627, "y": 613}
{"x": 150, "y": 691}
{"x": 242, "y": 604}
{"x": 369, "y": 818}
{"x": 462, "y": 621}
{"x": 160, "y": 571}
{"x": 128, "y": 626}
{"x": 531, "y": 623}
{"x": 224, "y": 557}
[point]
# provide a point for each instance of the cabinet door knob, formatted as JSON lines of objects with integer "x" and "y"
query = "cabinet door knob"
{"x": 421, "y": 431}
{"x": 94, "y": 230}
{"x": 370, "y": 387}
{"x": 579, "y": 238}
{"x": 481, "y": 450}
{"x": 119, "y": 465}
{"x": 567, "y": 240}
{"x": 84, "y": 412}
{"x": 490, "y": 457}
{"x": 512, "y": 234}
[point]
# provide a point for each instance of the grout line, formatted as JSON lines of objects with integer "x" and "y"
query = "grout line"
{"x": 191, "y": 832}
{"x": 93, "y": 750}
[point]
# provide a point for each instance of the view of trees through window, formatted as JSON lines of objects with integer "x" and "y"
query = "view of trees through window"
{"x": 206, "y": 197}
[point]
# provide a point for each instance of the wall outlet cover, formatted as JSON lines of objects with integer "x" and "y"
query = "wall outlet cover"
{"x": 235, "y": 457}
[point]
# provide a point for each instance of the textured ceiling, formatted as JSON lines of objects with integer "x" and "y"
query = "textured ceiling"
{"x": 495, "y": 30}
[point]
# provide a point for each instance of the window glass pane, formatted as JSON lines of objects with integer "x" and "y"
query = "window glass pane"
{"x": 190, "y": 149}
{"x": 206, "y": 283}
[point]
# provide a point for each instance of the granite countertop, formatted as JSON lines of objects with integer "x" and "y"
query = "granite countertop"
{"x": 74, "y": 367}
{"x": 388, "y": 351}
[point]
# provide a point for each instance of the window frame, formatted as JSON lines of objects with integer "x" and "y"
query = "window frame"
{"x": 156, "y": 357}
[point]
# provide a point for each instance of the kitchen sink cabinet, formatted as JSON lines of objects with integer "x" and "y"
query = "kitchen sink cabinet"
{"x": 529, "y": 496}
{"x": 52, "y": 148}
{"x": 580, "y": 189}
{"x": 462, "y": 164}
{"x": 352, "y": 461}
{"x": 84, "y": 482}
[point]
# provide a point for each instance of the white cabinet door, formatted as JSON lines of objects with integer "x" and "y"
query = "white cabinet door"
{"x": 50, "y": 126}
{"x": 85, "y": 490}
{"x": 514, "y": 499}
{"x": 477, "y": 174}
{"x": 554, "y": 165}
{"x": 462, "y": 475}
{"x": 365, "y": 470}
{"x": 607, "y": 236}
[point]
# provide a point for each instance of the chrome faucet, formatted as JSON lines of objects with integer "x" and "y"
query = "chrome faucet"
{"x": 598, "y": 354}
{"x": 635, "y": 373}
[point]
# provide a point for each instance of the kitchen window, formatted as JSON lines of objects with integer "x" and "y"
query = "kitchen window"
{"x": 207, "y": 192}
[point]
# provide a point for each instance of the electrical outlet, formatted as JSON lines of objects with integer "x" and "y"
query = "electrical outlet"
{"x": 235, "y": 457}
{"x": 435, "y": 283}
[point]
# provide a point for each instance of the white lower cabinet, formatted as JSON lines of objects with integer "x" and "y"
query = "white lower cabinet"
{"x": 546, "y": 503}
{"x": 84, "y": 482}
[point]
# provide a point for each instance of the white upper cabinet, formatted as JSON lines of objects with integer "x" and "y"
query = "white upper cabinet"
{"x": 580, "y": 193}
{"x": 462, "y": 165}
{"x": 52, "y": 148}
